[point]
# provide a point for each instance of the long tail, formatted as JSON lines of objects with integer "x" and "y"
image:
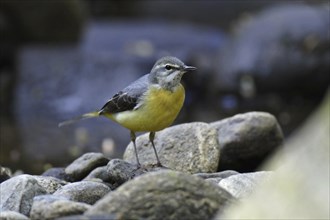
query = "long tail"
{"x": 81, "y": 117}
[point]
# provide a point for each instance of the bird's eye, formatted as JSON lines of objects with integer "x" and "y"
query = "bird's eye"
{"x": 168, "y": 67}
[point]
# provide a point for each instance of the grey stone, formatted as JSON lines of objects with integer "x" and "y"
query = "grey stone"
{"x": 11, "y": 215}
{"x": 190, "y": 147}
{"x": 51, "y": 207}
{"x": 163, "y": 195}
{"x": 85, "y": 191}
{"x": 79, "y": 168}
{"x": 243, "y": 185}
{"x": 50, "y": 184}
{"x": 121, "y": 171}
{"x": 91, "y": 217}
{"x": 57, "y": 172}
{"x": 216, "y": 177}
{"x": 222, "y": 175}
{"x": 245, "y": 140}
{"x": 98, "y": 173}
{"x": 299, "y": 188}
{"x": 18, "y": 192}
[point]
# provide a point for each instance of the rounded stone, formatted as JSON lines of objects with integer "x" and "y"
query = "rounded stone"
{"x": 190, "y": 147}
{"x": 163, "y": 195}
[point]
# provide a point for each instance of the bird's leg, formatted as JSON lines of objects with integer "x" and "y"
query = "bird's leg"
{"x": 151, "y": 138}
{"x": 133, "y": 137}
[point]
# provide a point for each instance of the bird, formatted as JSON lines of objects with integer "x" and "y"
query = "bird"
{"x": 149, "y": 104}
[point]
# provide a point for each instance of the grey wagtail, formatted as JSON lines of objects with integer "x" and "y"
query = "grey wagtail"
{"x": 149, "y": 104}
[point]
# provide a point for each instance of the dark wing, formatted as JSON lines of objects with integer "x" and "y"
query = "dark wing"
{"x": 119, "y": 103}
{"x": 127, "y": 99}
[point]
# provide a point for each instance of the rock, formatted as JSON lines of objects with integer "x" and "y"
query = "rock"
{"x": 50, "y": 184}
{"x": 190, "y": 147}
{"x": 243, "y": 185}
{"x": 245, "y": 140}
{"x": 222, "y": 175}
{"x": 11, "y": 215}
{"x": 5, "y": 174}
{"x": 163, "y": 195}
{"x": 299, "y": 188}
{"x": 17, "y": 193}
{"x": 85, "y": 191}
{"x": 58, "y": 172}
{"x": 216, "y": 177}
{"x": 98, "y": 173}
{"x": 79, "y": 168}
{"x": 121, "y": 171}
{"x": 51, "y": 207}
{"x": 92, "y": 217}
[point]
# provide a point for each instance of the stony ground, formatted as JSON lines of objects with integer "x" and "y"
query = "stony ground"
{"x": 197, "y": 179}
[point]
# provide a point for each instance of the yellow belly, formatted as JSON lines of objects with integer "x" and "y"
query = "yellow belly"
{"x": 159, "y": 110}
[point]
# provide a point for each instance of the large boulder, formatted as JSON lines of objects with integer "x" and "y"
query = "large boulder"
{"x": 163, "y": 195}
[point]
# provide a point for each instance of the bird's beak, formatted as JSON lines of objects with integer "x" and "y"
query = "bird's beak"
{"x": 189, "y": 68}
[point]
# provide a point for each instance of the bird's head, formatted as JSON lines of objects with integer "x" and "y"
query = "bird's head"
{"x": 168, "y": 71}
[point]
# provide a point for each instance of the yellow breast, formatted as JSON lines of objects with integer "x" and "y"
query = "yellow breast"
{"x": 159, "y": 109}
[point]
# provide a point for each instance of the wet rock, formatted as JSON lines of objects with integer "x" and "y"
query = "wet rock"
{"x": 18, "y": 192}
{"x": 5, "y": 174}
{"x": 11, "y": 215}
{"x": 59, "y": 173}
{"x": 51, "y": 207}
{"x": 79, "y": 168}
{"x": 244, "y": 184}
{"x": 163, "y": 194}
{"x": 50, "y": 184}
{"x": 190, "y": 147}
{"x": 85, "y": 191}
{"x": 245, "y": 140}
{"x": 121, "y": 171}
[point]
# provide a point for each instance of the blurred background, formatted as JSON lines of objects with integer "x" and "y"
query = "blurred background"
{"x": 62, "y": 58}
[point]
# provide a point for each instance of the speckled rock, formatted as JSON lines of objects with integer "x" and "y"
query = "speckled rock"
{"x": 98, "y": 173}
{"x": 80, "y": 168}
{"x": 163, "y": 195}
{"x": 17, "y": 193}
{"x": 51, "y": 207}
{"x": 245, "y": 140}
{"x": 50, "y": 184}
{"x": 190, "y": 147}
{"x": 121, "y": 171}
{"x": 85, "y": 191}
